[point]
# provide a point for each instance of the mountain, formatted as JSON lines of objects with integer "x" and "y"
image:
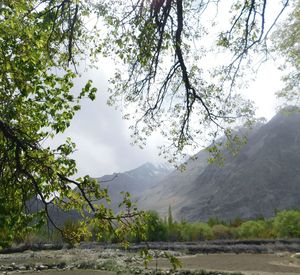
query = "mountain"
{"x": 262, "y": 178}
{"x": 58, "y": 216}
{"x": 135, "y": 181}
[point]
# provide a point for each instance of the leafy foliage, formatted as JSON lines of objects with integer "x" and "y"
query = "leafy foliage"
{"x": 39, "y": 41}
{"x": 196, "y": 232}
{"x": 165, "y": 77}
{"x": 222, "y": 232}
{"x": 284, "y": 225}
{"x": 287, "y": 224}
{"x": 75, "y": 232}
{"x": 156, "y": 230}
{"x": 251, "y": 229}
{"x": 175, "y": 263}
{"x": 287, "y": 44}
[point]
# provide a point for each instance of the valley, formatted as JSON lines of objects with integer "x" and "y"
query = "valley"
{"x": 90, "y": 259}
{"x": 262, "y": 179}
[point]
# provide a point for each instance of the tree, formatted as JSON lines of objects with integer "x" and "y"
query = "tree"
{"x": 155, "y": 229}
{"x": 37, "y": 39}
{"x": 165, "y": 75}
{"x": 252, "y": 229}
{"x": 170, "y": 217}
{"x": 154, "y": 38}
{"x": 286, "y": 40}
{"x": 287, "y": 224}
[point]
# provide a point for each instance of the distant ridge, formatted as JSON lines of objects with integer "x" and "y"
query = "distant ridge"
{"x": 263, "y": 178}
{"x": 135, "y": 181}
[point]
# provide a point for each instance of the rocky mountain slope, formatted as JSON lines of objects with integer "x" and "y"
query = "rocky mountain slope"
{"x": 264, "y": 177}
{"x": 135, "y": 181}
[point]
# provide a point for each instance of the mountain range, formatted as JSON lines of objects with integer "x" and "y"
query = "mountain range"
{"x": 135, "y": 181}
{"x": 262, "y": 178}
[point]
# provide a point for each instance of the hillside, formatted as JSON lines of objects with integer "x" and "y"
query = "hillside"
{"x": 264, "y": 177}
{"x": 135, "y": 181}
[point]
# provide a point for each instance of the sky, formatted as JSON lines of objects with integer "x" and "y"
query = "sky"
{"x": 103, "y": 138}
{"x": 101, "y": 135}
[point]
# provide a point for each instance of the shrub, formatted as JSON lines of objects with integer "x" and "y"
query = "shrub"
{"x": 156, "y": 230}
{"x": 287, "y": 224}
{"x": 43, "y": 235}
{"x": 252, "y": 229}
{"x": 236, "y": 222}
{"x": 269, "y": 232}
{"x": 221, "y": 231}
{"x": 174, "y": 232}
{"x": 73, "y": 232}
{"x": 215, "y": 221}
{"x": 196, "y": 232}
{"x": 205, "y": 232}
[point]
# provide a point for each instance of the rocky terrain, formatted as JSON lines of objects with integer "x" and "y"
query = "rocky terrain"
{"x": 93, "y": 258}
{"x": 135, "y": 181}
{"x": 262, "y": 178}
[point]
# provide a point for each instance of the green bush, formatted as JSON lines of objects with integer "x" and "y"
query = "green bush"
{"x": 73, "y": 232}
{"x": 221, "y": 231}
{"x": 252, "y": 229}
{"x": 43, "y": 235}
{"x": 156, "y": 230}
{"x": 215, "y": 221}
{"x": 174, "y": 232}
{"x": 236, "y": 222}
{"x": 196, "y": 232}
{"x": 269, "y": 232}
{"x": 287, "y": 224}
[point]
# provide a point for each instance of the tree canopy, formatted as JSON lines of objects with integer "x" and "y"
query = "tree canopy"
{"x": 41, "y": 44}
{"x": 287, "y": 43}
{"x": 164, "y": 45}
{"x": 38, "y": 39}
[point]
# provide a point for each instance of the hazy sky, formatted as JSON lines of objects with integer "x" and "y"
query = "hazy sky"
{"x": 103, "y": 138}
{"x": 101, "y": 135}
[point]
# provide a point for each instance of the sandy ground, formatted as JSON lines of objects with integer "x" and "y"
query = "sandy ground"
{"x": 262, "y": 264}
{"x": 250, "y": 264}
{"x": 75, "y": 272}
